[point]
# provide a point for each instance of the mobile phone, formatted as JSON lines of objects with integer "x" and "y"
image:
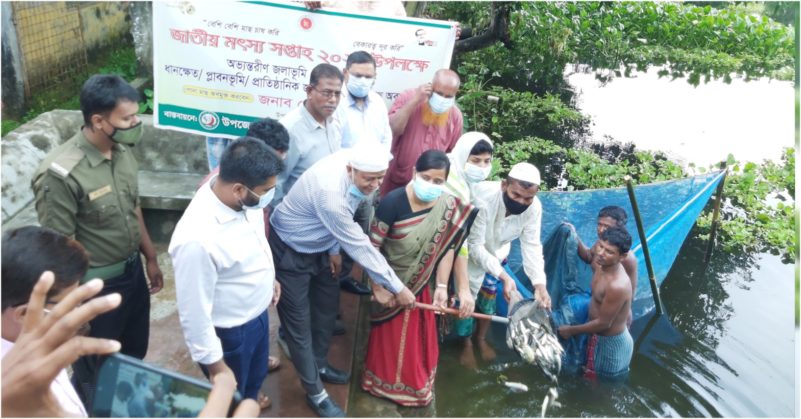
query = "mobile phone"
{"x": 129, "y": 387}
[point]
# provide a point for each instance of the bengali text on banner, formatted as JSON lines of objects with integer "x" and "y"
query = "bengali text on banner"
{"x": 220, "y": 65}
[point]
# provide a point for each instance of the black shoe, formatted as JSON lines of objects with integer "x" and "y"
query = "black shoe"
{"x": 332, "y": 375}
{"x": 348, "y": 284}
{"x": 339, "y": 328}
{"x": 326, "y": 408}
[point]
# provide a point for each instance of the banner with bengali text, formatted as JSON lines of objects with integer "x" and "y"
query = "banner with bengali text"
{"x": 220, "y": 65}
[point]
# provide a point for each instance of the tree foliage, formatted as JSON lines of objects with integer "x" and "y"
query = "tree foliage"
{"x": 619, "y": 38}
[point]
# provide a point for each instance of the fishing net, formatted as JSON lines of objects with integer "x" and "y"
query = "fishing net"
{"x": 668, "y": 210}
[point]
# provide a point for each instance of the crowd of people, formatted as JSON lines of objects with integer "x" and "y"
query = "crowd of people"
{"x": 286, "y": 213}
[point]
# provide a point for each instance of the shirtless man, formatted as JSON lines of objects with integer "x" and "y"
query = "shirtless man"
{"x": 611, "y": 216}
{"x": 610, "y": 346}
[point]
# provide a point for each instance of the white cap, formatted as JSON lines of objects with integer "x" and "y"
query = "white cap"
{"x": 526, "y": 172}
{"x": 369, "y": 156}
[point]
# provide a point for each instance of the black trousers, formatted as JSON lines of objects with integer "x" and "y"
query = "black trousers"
{"x": 307, "y": 308}
{"x": 129, "y": 324}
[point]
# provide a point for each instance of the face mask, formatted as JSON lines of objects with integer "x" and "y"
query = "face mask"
{"x": 426, "y": 191}
{"x": 128, "y": 136}
{"x": 354, "y": 191}
{"x": 475, "y": 174}
{"x": 440, "y": 104}
{"x": 514, "y": 207}
{"x": 263, "y": 201}
{"x": 359, "y": 87}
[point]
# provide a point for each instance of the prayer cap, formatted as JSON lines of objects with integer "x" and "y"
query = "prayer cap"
{"x": 526, "y": 172}
{"x": 369, "y": 156}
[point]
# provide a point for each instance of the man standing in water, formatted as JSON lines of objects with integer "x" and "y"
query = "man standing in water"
{"x": 608, "y": 217}
{"x": 610, "y": 346}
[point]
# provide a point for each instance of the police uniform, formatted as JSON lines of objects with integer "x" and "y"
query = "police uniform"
{"x": 82, "y": 194}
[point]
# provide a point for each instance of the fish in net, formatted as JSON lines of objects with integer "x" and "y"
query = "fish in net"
{"x": 532, "y": 336}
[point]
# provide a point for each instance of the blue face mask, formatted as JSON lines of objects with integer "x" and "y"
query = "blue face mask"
{"x": 440, "y": 104}
{"x": 426, "y": 191}
{"x": 354, "y": 191}
{"x": 359, "y": 86}
{"x": 264, "y": 200}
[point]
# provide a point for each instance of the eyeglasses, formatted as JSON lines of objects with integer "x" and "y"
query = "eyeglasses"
{"x": 328, "y": 93}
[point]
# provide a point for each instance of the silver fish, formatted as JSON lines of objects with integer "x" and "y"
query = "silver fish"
{"x": 516, "y": 386}
{"x": 550, "y": 400}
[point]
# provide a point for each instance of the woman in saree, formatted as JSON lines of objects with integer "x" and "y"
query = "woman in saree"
{"x": 418, "y": 229}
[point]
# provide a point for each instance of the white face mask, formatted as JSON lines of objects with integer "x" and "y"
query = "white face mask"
{"x": 440, "y": 104}
{"x": 475, "y": 174}
{"x": 264, "y": 200}
{"x": 359, "y": 86}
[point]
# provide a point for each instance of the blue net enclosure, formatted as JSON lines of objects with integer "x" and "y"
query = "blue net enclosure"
{"x": 668, "y": 210}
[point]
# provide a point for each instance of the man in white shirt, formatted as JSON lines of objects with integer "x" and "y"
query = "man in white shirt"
{"x": 224, "y": 274}
{"x": 27, "y": 253}
{"x": 308, "y": 230}
{"x": 361, "y": 116}
{"x": 510, "y": 209}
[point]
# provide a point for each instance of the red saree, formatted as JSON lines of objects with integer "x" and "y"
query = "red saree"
{"x": 402, "y": 350}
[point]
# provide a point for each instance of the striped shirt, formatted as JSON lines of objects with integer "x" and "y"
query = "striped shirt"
{"x": 317, "y": 216}
{"x": 309, "y": 141}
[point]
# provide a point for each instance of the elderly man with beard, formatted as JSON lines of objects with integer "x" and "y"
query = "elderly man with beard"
{"x": 421, "y": 119}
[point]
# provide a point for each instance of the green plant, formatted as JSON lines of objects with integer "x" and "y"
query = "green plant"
{"x": 757, "y": 214}
{"x": 146, "y": 106}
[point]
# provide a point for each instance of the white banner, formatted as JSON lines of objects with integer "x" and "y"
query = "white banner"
{"x": 220, "y": 65}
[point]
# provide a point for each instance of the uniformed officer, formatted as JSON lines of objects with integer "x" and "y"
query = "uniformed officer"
{"x": 87, "y": 189}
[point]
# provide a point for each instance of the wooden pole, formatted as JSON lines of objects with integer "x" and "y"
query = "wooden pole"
{"x": 455, "y": 312}
{"x": 644, "y": 243}
{"x": 715, "y": 214}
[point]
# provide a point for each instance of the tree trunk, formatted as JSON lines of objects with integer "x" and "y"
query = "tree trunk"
{"x": 497, "y": 31}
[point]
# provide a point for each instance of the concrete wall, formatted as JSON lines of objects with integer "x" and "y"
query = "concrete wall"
{"x": 23, "y": 149}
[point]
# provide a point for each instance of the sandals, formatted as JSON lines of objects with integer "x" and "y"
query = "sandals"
{"x": 273, "y": 363}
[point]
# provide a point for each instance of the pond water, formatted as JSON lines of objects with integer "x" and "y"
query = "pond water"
{"x": 726, "y": 345}
{"x": 752, "y": 120}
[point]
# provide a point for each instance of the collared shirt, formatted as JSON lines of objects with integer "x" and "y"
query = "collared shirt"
{"x": 317, "y": 216}
{"x": 492, "y": 231}
{"x": 370, "y": 122}
{"x": 309, "y": 141}
{"x": 416, "y": 139}
{"x": 224, "y": 271}
{"x": 82, "y": 194}
{"x": 61, "y": 387}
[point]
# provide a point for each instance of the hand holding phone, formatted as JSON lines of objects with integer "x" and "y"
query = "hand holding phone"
{"x": 219, "y": 401}
{"x": 128, "y": 387}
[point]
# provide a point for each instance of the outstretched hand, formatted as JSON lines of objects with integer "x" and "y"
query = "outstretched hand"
{"x": 48, "y": 344}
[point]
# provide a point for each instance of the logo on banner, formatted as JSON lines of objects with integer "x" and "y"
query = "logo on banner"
{"x": 209, "y": 120}
{"x": 421, "y": 36}
{"x": 305, "y": 23}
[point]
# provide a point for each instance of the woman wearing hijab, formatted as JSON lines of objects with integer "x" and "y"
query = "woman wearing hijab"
{"x": 471, "y": 163}
{"x": 418, "y": 229}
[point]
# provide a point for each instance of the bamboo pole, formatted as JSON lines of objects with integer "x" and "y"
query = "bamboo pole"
{"x": 715, "y": 215}
{"x": 644, "y": 243}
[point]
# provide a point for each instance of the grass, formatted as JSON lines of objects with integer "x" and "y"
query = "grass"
{"x": 121, "y": 61}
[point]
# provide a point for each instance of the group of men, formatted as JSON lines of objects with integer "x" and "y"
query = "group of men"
{"x": 280, "y": 221}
